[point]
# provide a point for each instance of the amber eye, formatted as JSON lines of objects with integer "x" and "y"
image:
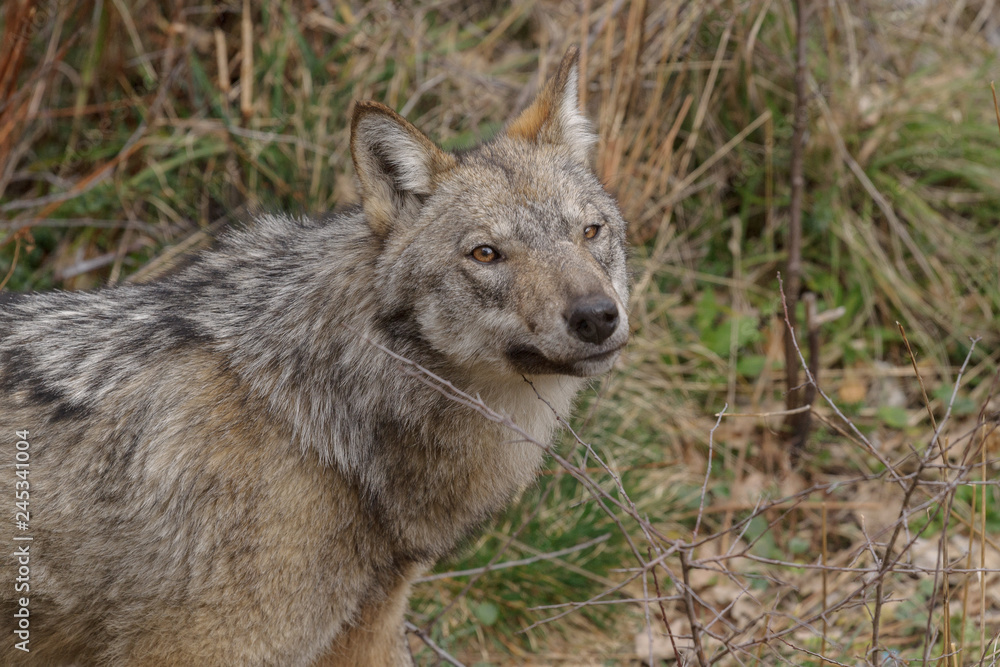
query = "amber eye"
{"x": 591, "y": 231}
{"x": 484, "y": 254}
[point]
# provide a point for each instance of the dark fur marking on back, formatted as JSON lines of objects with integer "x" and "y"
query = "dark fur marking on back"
{"x": 20, "y": 373}
{"x": 12, "y": 298}
{"x": 67, "y": 410}
{"x": 183, "y": 329}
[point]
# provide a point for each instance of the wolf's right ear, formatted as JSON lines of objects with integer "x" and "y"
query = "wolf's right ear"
{"x": 395, "y": 162}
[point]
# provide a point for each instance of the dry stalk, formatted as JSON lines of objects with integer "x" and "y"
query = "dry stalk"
{"x": 982, "y": 558}
{"x": 692, "y": 612}
{"x": 920, "y": 379}
{"x": 798, "y": 423}
{"x": 663, "y": 614}
{"x": 823, "y": 560}
{"x": 968, "y": 558}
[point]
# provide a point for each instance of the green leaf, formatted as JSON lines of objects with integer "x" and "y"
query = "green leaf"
{"x": 487, "y": 613}
{"x": 750, "y": 365}
{"x": 963, "y": 405}
{"x": 798, "y": 545}
{"x": 747, "y": 332}
{"x": 894, "y": 416}
{"x": 706, "y": 310}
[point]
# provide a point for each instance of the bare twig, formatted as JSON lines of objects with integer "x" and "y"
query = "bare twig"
{"x": 773, "y": 413}
{"x": 663, "y": 616}
{"x": 708, "y": 472}
{"x": 514, "y": 563}
{"x": 432, "y": 645}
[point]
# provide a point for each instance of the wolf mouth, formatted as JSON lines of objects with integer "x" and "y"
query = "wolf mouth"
{"x": 530, "y": 359}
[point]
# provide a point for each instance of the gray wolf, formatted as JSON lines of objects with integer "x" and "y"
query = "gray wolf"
{"x": 225, "y": 468}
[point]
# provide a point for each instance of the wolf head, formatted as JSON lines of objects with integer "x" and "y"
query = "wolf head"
{"x": 509, "y": 256}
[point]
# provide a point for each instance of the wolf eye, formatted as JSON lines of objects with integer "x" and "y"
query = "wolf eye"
{"x": 591, "y": 231}
{"x": 484, "y": 254}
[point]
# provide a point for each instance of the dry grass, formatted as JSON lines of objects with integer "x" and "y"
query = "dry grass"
{"x": 129, "y": 136}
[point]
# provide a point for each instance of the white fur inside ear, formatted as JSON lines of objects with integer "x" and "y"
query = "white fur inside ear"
{"x": 576, "y": 129}
{"x": 411, "y": 159}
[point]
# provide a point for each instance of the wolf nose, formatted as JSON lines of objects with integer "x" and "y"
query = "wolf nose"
{"x": 593, "y": 319}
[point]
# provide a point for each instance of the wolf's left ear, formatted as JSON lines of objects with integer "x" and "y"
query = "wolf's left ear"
{"x": 554, "y": 117}
{"x": 396, "y": 163}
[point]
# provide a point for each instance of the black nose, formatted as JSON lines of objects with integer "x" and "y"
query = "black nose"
{"x": 593, "y": 319}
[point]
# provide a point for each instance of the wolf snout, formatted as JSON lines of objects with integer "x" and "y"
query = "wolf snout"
{"x": 593, "y": 318}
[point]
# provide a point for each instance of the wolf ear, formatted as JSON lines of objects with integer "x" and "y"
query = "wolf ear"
{"x": 395, "y": 162}
{"x": 554, "y": 117}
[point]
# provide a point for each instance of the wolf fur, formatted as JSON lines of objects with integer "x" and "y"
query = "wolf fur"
{"x": 226, "y": 469}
